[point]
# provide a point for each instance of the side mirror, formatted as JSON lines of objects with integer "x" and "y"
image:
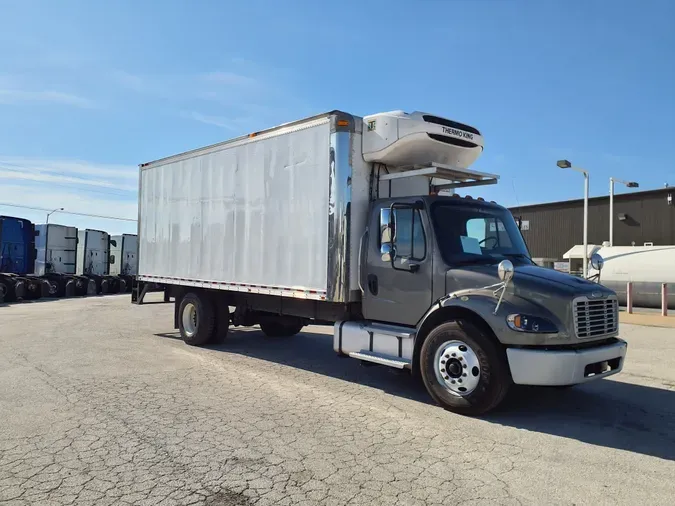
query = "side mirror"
{"x": 386, "y": 235}
{"x": 597, "y": 262}
{"x": 112, "y": 259}
{"x": 505, "y": 270}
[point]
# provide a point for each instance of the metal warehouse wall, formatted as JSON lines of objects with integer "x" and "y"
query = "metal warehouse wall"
{"x": 555, "y": 227}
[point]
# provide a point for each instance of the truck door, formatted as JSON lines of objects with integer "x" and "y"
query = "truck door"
{"x": 397, "y": 285}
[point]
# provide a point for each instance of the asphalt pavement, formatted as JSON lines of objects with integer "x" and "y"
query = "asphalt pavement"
{"x": 101, "y": 403}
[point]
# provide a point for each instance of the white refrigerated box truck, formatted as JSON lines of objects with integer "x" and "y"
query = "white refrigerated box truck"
{"x": 352, "y": 221}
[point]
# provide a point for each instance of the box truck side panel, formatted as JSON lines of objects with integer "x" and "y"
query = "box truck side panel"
{"x": 250, "y": 215}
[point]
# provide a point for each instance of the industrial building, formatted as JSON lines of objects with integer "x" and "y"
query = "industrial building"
{"x": 640, "y": 218}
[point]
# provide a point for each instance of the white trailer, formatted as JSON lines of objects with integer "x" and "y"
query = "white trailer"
{"x": 351, "y": 221}
{"x": 123, "y": 255}
{"x": 56, "y": 249}
{"x": 93, "y": 251}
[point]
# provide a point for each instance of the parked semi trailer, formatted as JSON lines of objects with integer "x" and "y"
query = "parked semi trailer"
{"x": 123, "y": 259}
{"x": 17, "y": 257}
{"x": 342, "y": 219}
{"x": 93, "y": 259}
{"x": 55, "y": 261}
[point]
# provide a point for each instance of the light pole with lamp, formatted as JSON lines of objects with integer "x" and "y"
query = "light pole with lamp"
{"x": 565, "y": 164}
{"x": 52, "y": 212}
{"x": 629, "y": 184}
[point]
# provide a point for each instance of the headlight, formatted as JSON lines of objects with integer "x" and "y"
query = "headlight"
{"x": 527, "y": 323}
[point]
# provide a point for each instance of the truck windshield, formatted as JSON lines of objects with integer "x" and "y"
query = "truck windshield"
{"x": 477, "y": 234}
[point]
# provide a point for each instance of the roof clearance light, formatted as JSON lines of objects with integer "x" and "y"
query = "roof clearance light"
{"x": 343, "y": 122}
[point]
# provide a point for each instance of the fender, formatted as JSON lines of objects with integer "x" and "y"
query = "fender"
{"x": 470, "y": 304}
{"x": 478, "y": 306}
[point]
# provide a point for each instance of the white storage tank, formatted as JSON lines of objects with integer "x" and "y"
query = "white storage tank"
{"x": 647, "y": 267}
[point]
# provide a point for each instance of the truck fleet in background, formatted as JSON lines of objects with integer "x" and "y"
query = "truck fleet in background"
{"x": 50, "y": 260}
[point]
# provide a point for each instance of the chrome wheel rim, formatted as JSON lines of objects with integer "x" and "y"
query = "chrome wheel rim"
{"x": 190, "y": 319}
{"x": 457, "y": 368}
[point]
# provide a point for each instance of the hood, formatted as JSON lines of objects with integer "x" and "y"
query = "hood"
{"x": 578, "y": 285}
{"x": 532, "y": 286}
{"x": 530, "y": 276}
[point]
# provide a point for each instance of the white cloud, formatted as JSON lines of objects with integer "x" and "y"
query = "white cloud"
{"x": 210, "y": 120}
{"x": 48, "y": 197}
{"x": 77, "y": 167}
{"x": 48, "y": 178}
{"x": 129, "y": 81}
{"x": 76, "y": 185}
{"x": 13, "y": 97}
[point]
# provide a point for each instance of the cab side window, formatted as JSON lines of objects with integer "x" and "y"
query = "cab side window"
{"x": 409, "y": 239}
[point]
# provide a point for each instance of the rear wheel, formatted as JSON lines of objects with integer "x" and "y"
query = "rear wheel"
{"x": 281, "y": 327}
{"x": 5, "y": 294}
{"x": 463, "y": 369}
{"x": 196, "y": 319}
{"x": 222, "y": 323}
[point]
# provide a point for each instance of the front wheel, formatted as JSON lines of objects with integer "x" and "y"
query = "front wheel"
{"x": 196, "y": 319}
{"x": 463, "y": 369}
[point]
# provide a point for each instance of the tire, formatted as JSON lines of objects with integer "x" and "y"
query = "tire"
{"x": 197, "y": 312}
{"x": 476, "y": 375}
{"x": 6, "y": 292}
{"x": 281, "y": 327}
{"x": 222, "y": 323}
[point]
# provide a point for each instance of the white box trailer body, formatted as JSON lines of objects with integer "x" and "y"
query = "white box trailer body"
{"x": 93, "y": 252}
{"x": 56, "y": 249}
{"x": 124, "y": 253}
{"x": 256, "y": 214}
{"x": 280, "y": 212}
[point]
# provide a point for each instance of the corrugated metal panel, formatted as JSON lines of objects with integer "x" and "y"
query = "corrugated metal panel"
{"x": 555, "y": 227}
{"x": 250, "y": 213}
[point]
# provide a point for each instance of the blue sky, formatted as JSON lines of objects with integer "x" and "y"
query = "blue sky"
{"x": 90, "y": 89}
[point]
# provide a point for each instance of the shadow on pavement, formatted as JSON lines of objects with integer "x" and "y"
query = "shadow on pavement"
{"x": 608, "y": 413}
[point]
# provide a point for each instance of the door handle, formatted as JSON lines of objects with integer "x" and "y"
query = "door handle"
{"x": 372, "y": 284}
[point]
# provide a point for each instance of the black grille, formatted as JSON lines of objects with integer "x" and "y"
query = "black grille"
{"x": 453, "y": 141}
{"x": 452, "y": 124}
{"x": 596, "y": 318}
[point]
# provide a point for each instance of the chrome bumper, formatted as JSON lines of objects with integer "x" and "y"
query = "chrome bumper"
{"x": 565, "y": 367}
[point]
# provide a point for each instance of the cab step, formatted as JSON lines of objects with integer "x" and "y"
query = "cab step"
{"x": 369, "y": 356}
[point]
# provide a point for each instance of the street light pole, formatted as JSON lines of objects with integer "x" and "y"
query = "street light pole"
{"x": 611, "y": 211}
{"x": 566, "y": 164}
{"x": 52, "y": 212}
{"x": 586, "y": 178}
{"x": 629, "y": 184}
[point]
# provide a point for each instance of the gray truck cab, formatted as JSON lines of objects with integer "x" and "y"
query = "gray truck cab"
{"x": 449, "y": 291}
